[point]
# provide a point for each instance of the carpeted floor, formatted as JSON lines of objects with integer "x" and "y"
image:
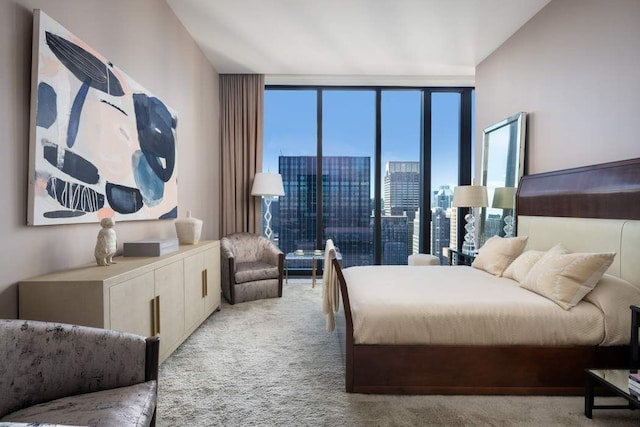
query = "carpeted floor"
{"x": 272, "y": 363}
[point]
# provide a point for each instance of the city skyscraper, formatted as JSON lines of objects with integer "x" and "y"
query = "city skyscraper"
{"x": 440, "y": 231}
{"x": 401, "y": 197}
{"x": 402, "y": 188}
{"x": 441, "y": 221}
{"x": 346, "y": 205}
{"x": 347, "y": 215}
{"x": 395, "y": 239}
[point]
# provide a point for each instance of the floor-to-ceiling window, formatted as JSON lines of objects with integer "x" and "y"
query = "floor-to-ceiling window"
{"x": 445, "y": 151}
{"x": 371, "y": 168}
{"x": 401, "y": 120}
{"x": 348, "y": 155}
{"x": 290, "y": 143}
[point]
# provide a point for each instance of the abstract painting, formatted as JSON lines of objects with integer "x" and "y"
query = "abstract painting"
{"x": 101, "y": 146}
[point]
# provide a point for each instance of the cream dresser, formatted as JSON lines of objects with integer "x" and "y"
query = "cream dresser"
{"x": 170, "y": 295}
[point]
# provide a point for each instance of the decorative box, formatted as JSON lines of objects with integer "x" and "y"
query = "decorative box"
{"x": 150, "y": 247}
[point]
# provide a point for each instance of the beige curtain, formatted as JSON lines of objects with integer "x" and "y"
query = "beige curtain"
{"x": 241, "y": 115}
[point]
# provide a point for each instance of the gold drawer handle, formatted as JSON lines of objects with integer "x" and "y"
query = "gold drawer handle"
{"x": 158, "y": 314}
{"x": 155, "y": 316}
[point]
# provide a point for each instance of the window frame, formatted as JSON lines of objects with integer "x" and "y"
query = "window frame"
{"x": 465, "y": 140}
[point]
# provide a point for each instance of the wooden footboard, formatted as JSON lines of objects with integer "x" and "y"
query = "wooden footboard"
{"x": 437, "y": 369}
{"x": 423, "y": 369}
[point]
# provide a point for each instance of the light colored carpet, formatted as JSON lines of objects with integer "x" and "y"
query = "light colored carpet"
{"x": 271, "y": 362}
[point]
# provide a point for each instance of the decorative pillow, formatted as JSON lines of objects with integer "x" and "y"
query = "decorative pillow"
{"x": 564, "y": 277}
{"x": 519, "y": 268}
{"x": 498, "y": 252}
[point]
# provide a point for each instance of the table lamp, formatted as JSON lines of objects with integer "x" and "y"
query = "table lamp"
{"x": 469, "y": 196}
{"x": 504, "y": 198}
{"x": 268, "y": 186}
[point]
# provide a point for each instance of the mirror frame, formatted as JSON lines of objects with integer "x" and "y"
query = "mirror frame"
{"x": 516, "y": 152}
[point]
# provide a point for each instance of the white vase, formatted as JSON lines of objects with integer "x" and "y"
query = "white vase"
{"x": 188, "y": 230}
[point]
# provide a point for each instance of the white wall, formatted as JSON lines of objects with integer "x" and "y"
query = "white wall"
{"x": 575, "y": 68}
{"x": 146, "y": 40}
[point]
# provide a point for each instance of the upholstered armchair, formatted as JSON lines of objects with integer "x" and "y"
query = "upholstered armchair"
{"x": 251, "y": 267}
{"x": 54, "y": 373}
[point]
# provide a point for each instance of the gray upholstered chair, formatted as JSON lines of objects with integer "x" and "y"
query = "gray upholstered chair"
{"x": 251, "y": 267}
{"x": 54, "y": 373}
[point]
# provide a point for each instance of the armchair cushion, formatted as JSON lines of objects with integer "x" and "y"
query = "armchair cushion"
{"x": 255, "y": 270}
{"x": 125, "y": 406}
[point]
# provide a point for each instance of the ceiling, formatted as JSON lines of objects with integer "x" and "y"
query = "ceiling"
{"x": 351, "y": 41}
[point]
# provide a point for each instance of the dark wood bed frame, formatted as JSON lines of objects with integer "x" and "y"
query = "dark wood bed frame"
{"x": 609, "y": 190}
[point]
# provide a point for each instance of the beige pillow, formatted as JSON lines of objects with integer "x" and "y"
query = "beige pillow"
{"x": 564, "y": 277}
{"x": 519, "y": 268}
{"x": 498, "y": 252}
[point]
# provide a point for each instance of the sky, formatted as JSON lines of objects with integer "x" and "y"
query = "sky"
{"x": 290, "y": 128}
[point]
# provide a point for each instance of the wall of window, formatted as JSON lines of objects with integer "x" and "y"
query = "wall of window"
{"x": 367, "y": 167}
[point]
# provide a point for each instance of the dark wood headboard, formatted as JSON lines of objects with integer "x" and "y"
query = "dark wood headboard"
{"x": 608, "y": 190}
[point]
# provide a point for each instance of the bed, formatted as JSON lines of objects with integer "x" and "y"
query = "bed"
{"x": 589, "y": 209}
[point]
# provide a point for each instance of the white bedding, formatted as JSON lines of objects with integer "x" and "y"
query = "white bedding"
{"x": 463, "y": 305}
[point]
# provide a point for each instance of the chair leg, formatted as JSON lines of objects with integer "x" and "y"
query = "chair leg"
{"x": 280, "y": 271}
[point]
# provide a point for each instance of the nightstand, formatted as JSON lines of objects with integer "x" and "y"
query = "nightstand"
{"x": 616, "y": 380}
{"x": 457, "y": 257}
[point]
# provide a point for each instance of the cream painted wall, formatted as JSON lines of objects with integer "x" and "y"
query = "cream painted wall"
{"x": 574, "y": 68}
{"x": 146, "y": 40}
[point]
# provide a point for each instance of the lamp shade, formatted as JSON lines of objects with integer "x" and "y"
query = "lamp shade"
{"x": 504, "y": 198}
{"x": 267, "y": 184}
{"x": 469, "y": 196}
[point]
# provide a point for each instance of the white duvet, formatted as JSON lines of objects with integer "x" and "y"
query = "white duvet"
{"x": 463, "y": 305}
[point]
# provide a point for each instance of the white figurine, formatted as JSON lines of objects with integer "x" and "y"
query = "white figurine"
{"x": 106, "y": 244}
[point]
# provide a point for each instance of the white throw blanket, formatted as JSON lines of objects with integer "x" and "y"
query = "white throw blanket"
{"x": 330, "y": 290}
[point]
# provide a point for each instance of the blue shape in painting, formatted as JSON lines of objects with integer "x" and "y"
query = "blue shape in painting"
{"x": 173, "y": 213}
{"x": 91, "y": 71}
{"x": 151, "y": 187}
{"x": 122, "y": 199}
{"x": 76, "y": 110}
{"x": 155, "y": 133}
{"x": 63, "y": 214}
{"x": 71, "y": 163}
{"x": 47, "y": 106}
{"x": 84, "y": 65}
{"x": 74, "y": 196}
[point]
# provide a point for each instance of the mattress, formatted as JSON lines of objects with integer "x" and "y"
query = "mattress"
{"x": 460, "y": 305}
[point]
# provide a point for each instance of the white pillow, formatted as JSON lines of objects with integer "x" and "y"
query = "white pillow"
{"x": 565, "y": 278}
{"x": 498, "y": 252}
{"x": 519, "y": 268}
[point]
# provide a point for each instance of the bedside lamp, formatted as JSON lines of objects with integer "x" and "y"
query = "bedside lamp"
{"x": 268, "y": 186}
{"x": 504, "y": 198}
{"x": 469, "y": 196}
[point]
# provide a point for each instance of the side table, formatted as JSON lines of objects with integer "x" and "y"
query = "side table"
{"x": 457, "y": 257}
{"x": 312, "y": 256}
{"x": 616, "y": 380}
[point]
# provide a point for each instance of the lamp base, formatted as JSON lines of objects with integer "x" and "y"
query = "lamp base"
{"x": 267, "y": 218}
{"x": 508, "y": 228}
{"x": 469, "y": 245}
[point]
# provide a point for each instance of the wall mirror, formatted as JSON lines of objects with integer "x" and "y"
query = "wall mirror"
{"x": 503, "y": 163}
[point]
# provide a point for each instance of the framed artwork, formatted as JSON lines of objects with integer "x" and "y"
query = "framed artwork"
{"x": 100, "y": 144}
